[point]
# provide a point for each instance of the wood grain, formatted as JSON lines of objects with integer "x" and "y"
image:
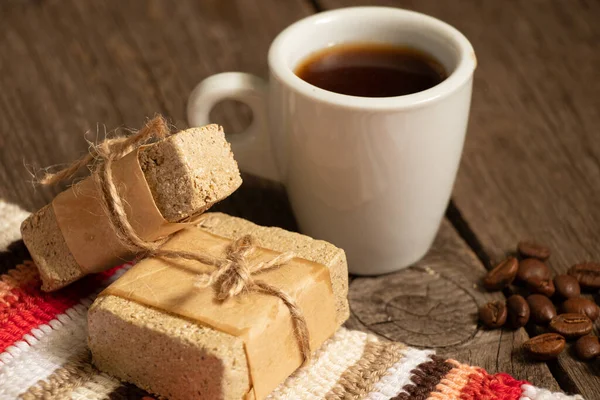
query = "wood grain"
{"x": 531, "y": 165}
{"x": 71, "y": 67}
{"x": 434, "y": 304}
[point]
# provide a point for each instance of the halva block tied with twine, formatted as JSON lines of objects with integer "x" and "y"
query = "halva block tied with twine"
{"x": 226, "y": 310}
{"x": 160, "y": 178}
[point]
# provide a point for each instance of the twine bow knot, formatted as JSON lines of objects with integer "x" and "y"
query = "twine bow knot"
{"x": 232, "y": 276}
{"x": 235, "y": 275}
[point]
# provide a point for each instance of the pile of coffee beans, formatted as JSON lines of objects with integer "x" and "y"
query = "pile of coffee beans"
{"x": 554, "y": 304}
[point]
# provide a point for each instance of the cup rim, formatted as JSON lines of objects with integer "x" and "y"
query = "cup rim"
{"x": 461, "y": 74}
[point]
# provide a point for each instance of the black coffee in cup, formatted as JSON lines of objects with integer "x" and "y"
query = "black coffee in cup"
{"x": 371, "y": 70}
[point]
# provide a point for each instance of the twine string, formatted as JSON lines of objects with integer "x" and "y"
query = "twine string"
{"x": 113, "y": 148}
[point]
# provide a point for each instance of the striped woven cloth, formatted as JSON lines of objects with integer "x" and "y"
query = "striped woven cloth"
{"x": 44, "y": 355}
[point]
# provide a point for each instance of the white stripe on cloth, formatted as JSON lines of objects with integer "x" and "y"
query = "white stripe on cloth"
{"x": 535, "y": 393}
{"x": 391, "y": 384}
{"x": 46, "y": 348}
{"x": 42, "y": 351}
{"x": 336, "y": 355}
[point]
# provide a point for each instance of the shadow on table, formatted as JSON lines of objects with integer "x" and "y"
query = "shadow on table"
{"x": 15, "y": 254}
{"x": 260, "y": 201}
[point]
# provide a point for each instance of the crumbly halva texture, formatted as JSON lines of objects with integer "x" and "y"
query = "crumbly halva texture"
{"x": 190, "y": 171}
{"x": 180, "y": 359}
{"x": 165, "y": 354}
{"x": 48, "y": 249}
{"x": 187, "y": 173}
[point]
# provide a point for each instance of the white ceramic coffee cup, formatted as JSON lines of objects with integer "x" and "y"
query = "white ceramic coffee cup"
{"x": 371, "y": 175}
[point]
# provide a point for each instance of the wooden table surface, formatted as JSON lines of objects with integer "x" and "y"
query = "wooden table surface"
{"x": 530, "y": 169}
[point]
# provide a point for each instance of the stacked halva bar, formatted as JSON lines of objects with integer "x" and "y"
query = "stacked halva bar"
{"x": 182, "y": 359}
{"x": 187, "y": 173}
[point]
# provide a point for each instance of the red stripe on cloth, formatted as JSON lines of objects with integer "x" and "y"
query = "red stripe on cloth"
{"x": 493, "y": 387}
{"x": 27, "y": 307}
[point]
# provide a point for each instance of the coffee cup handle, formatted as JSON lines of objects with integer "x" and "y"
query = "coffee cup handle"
{"x": 251, "y": 148}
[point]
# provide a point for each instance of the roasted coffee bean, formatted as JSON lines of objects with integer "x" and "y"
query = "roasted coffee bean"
{"x": 493, "y": 314}
{"x": 566, "y": 286}
{"x": 518, "y": 310}
{"x": 531, "y": 268}
{"x": 579, "y": 305}
{"x": 541, "y": 308}
{"x": 501, "y": 275}
{"x": 541, "y": 286}
{"x": 534, "y": 250}
{"x": 571, "y": 325}
{"x": 546, "y": 346}
{"x": 587, "y": 274}
{"x": 587, "y": 347}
